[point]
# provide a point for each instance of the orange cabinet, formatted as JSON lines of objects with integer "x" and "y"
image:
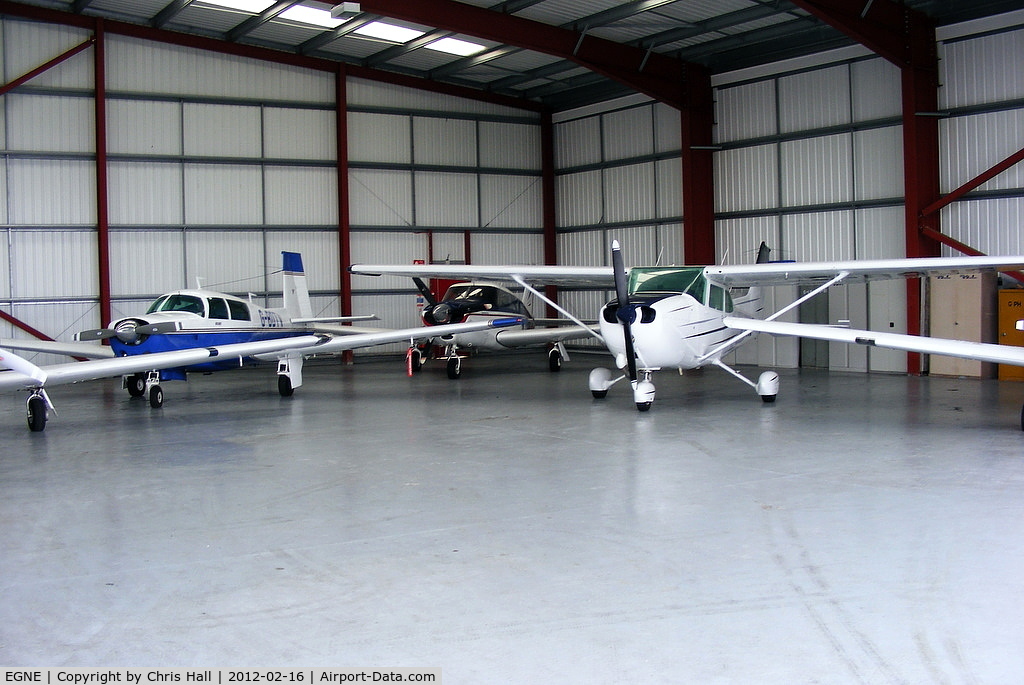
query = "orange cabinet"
{"x": 1011, "y": 310}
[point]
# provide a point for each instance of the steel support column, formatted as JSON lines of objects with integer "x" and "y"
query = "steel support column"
{"x": 102, "y": 201}
{"x": 697, "y": 120}
{"x": 344, "y": 219}
{"x": 906, "y": 38}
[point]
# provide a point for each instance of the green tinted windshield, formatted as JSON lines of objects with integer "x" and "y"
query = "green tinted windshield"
{"x": 677, "y": 279}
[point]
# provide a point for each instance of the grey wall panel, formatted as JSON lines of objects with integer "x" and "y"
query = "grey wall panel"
{"x": 508, "y": 249}
{"x": 817, "y": 171}
{"x": 746, "y": 111}
{"x": 394, "y": 311}
{"x": 451, "y": 247}
{"x": 746, "y": 179}
{"x": 667, "y": 128}
{"x": 628, "y": 133}
{"x": 630, "y": 193}
{"x": 222, "y": 130}
{"x": 5, "y": 259}
{"x": 386, "y": 248}
{"x": 306, "y": 134}
{"x": 509, "y": 146}
{"x": 974, "y": 144}
{"x": 583, "y": 248}
{"x": 510, "y": 202}
{"x": 145, "y": 193}
{"x": 982, "y": 70}
{"x": 142, "y": 127}
{"x": 446, "y": 200}
{"x": 878, "y": 163}
{"x": 670, "y": 244}
{"x": 880, "y": 233}
{"x": 147, "y": 263}
{"x": 226, "y": 194}
{"x": 887, "y": 307}
{"x": 60, "y": 320}
{"x": 304, "y": 196}
{"x": 669, "y": 175}
{"x": 223, "y": 259}
{"x": 578, "y": 142}
{"x": 4, "y": 215}
{"x": 380, "y": 198}
{"x": 992, "y": 226}
{"x": 362, "y": 93}
{"x": 640, "y": 245}
{"x": 444, "y": 141}
{"x": 67, "y": 258}
{"x": 579, "y": 199}
{"x": 737, "y": 240}
{"x": 139, "y": 66}
{"x": 877, "y": 88}
{"x": 50, "y": 123}
{"x": 379, "y": 138}
{"x": 319, "y": 252}
{"x": 818, "y": 237}
{"x": 51, "y": 192}
{"x": 814, "y": 99}
{"x": 30, "y": 44}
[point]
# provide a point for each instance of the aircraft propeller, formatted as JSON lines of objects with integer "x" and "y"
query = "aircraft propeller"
{"x": 129, "y": 331}
{"x": 625, "y": 313}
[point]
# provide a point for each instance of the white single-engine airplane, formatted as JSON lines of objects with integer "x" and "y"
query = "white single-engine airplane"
{"x": 687, "y": 317}
{"x": 480, "y": 301}
{"x": 202, "y": 330}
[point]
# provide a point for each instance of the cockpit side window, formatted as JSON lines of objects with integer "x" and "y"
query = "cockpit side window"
{"x": 218, "y": 308}
{"x": 719, "y": 298}
{"x": 239, "y": 311}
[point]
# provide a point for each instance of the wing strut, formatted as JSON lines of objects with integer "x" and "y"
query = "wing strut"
{"x": 733, "y": 342}
{"x": 539, "y": 294}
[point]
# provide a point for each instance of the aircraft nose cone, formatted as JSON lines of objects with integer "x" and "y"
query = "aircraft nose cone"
{"x": 126, "y": 332}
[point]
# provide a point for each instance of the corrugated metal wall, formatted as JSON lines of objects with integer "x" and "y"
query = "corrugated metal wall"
{"x": 218, "y": 163}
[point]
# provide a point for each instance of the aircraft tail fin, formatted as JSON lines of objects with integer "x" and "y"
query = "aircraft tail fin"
{"x": 296, "y": 292}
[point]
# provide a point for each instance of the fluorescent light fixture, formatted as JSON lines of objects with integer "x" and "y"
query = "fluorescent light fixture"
{"x": 311, "y": 15}
{"x": 454, "y": 46}
{"x": 388, "y": 32}
{"x": 345, "y": 9}
{"x": 254, "y": 6}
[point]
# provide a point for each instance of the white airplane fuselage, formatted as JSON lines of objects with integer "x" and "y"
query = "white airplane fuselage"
{"x": 670, "y": 331}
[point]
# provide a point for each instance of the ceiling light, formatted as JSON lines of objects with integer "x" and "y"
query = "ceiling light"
{"x": 254, "y": 6}
{"x": 454, "y": 46}
{"x": 388, "y": 32}
{"x": 344, "y": 10}
{"x": 310, "y": 15}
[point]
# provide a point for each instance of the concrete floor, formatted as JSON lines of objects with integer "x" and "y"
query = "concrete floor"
{"x": 507, "y": 528}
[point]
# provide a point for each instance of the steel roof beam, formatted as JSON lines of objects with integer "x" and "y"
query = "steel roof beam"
{"x": 651, "y": 73}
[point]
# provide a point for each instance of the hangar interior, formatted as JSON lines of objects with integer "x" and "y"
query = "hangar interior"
{"x": 148, "y": 144}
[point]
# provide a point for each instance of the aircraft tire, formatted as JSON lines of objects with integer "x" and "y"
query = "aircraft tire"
{"x": 599, "y": 394}
{"x": 156, "y": 397}
{"x": 554, "y": 361}
{"x": 284, "y": 386}
{"x": 767, "y": 399}
{"x": 136, "y": 385}
{"x": 36, "y": 414}
{"x": 643, "y": 406}
{"x": 454, "y": 368}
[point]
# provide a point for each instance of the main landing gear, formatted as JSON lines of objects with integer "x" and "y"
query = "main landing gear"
{"x": 143, "y": 384}
{"x": 767, "y": 386}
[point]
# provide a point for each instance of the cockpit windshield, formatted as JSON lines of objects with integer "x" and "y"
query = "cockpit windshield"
{"x": 178, "y": 303}
{"x": 479, "y": 297}
{"x": 677, "y": 279}
{"x": 688, "y": 280}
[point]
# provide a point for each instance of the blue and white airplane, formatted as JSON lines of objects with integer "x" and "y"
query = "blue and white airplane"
{"x": 202, "y": 331}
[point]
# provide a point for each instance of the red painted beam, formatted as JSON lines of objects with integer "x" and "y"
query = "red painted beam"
{"x": 43, "y": 68}
{"x": 974, "y": 183}
{"x": 102, "y": 201}
{"x": 697, "y": 122}
{"x": 651, "y": 73}
{"x": 879, "y": 25}
{"x": 965, "y": 248}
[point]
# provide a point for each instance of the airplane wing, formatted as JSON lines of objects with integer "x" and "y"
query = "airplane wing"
{"x": 305, "y": 345}
{"x": 70, "y": 349}
{"x": 815, "y": 273}
{"x": 543, "y": 335}
{"x": 985, "y": 352}
{"x": 548, "y": 275}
